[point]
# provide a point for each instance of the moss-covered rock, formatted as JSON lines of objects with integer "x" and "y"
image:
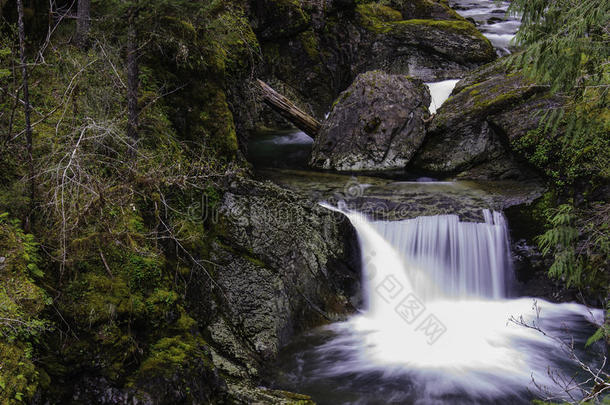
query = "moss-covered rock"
{"x": 459, "y": 40}
{"x": 376, "y": 124}
{"x": 179, "y": 369}
{"x": 472, "y": 131}
{"x": 372, "y": 14}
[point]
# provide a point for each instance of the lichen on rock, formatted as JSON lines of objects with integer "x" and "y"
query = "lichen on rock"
{"x": 470, "y": 135}
{"x": 376, "y": 124}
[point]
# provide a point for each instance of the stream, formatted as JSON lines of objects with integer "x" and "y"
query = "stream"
{"x": 490, "y": 18}
{"x": 443, "y": 319}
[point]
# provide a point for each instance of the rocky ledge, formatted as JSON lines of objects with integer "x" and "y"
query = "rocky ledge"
{"x": 285, "y": 264}
{"x": 474, "y": 133}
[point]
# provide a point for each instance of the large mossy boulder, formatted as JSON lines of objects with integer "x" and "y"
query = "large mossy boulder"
{"x": 472, "y": 133}
{"x": 456, "y": 41}
{"x": 284, "y": 264}
{"x": 376, "y": 124}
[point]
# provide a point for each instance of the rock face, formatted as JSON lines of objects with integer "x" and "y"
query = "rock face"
{"x": 376, "y": 124}
{"x": 284, "y": 264}
{"x": 317, "y": 51}
{"x": 473, "y": 133}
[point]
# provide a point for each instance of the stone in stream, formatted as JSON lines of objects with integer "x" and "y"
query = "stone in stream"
{"x": 378, "y": 123}
{"x": 474, "y": 133}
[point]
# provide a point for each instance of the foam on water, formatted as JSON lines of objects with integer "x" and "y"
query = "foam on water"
{"x": 436, "y": 309}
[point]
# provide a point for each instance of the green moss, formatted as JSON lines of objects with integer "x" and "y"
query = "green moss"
{"x": 216, "y": 124}
{"x": 311, "y": 45}
{"x": 176, "y": 354}
{"x": 342, "y": 97}
{"x": 373, "y": 15}
{"x": 167, "y": 355}
{"x": 96, "y": 299}
{"x": 483, "y": 103}
{"x": 21, "y": 305}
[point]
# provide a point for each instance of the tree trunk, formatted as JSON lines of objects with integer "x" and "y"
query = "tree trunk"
{"x": 83, "y": 23}
{"x": 132, "y": 79}
{"x": 27, "y": 109}
{"x": 288, "y": 110}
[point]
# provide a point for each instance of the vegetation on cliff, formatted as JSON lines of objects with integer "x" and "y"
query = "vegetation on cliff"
{"x": 566, "y": 48}
{"x": 121, "y": 135}
{"x": 106, "y": 198}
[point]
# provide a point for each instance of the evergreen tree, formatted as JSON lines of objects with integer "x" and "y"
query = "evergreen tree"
{"x": 567, "y": 43}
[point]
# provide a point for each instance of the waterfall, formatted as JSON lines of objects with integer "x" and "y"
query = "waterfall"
{"x": 437, "y": 309}
{"x": 448, "y": 258}
{"x": 439, "y": 93}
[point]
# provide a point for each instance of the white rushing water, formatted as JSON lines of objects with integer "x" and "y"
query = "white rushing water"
{"x": 437, "y": 309}
{"x": 447, "y": 258}
{"x": 491, "y": 19}
{"x": 439, "y": 93}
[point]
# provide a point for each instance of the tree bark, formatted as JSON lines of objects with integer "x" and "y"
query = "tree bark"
{"x": 132, "y": 79}
{"x": 27, "y": 109}
{"x": 288, "y": 110}
{"x": 83, "y": 23}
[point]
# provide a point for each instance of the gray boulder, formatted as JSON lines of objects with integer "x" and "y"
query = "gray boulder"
{"x": 285, "y": 264}
{"x": 473, "y": 133}
{"x": 376, "y": 124}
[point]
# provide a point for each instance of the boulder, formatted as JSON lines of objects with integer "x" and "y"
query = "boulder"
{"x": 473, "y": 132}
{"x": 284, "y": 264}
{"x": 376, "y": 124}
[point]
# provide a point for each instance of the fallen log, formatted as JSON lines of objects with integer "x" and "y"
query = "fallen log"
{"x": 288, "y": 110}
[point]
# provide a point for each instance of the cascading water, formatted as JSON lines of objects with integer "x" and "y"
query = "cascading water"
{"x": 439, "y": 93}
{"x": 449, "y": 258}
{"x": 435, "y": 327}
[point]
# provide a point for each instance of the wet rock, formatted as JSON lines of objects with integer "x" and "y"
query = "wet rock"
{"x": 494, "y": 20}
{"x": 284, "y": 263}
{"x": 472, "y": 133}
{"x": 376, "y": 124}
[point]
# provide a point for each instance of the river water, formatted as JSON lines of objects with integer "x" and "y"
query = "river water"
{"x": 443, "y": 320}
{"x": 439, "y": 325}
{"x": 491, "y": 19}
